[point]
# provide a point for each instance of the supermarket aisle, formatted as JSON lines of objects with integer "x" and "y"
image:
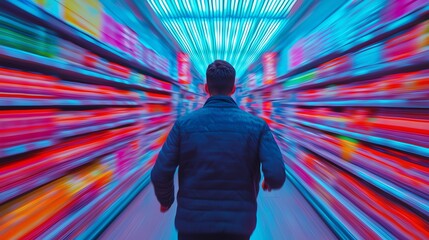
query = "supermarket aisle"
{"x": 143, "y": 220}
{"x": 283, "y": 214}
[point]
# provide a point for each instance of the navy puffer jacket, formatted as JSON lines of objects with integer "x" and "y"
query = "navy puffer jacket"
{"x": 219, "y": 150}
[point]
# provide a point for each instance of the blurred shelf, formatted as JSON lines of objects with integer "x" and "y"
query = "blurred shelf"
{"x": 44, "y": 176}
{"x": 332, "y": 219}
{"x": 389, "y": 103}
{"x": 121, "y": 194}
{"x": 417, "y": 62}
{"x": 32, "y": 13}
{"x": 157, "y": 116}
{"x": 411, "y": 148}
{"x": 123, "y": 199}
{"x": 384, "y": 163}
{"x": 166, "y": 102}
{"x": 60, "y": 67}
{"x": 148, "y": 89}
{"x": 281, "y": 136}
{"x": 157, "y": 128}
{"x": 388, "y": 29}
{"x": 82, "y": 130}
{"x": 378, "y": 34}
{"x": 62, "y": 102}
{"x": 407, "y": 197}
{"x": 27, "y": 147}
{"x": 339, "y": 199}
{"x": 69, "y": 71}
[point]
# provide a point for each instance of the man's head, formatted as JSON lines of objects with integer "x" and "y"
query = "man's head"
{"x": 220, "y": 78}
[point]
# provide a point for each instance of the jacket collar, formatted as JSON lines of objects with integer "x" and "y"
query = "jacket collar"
{"x": 221, "y": 101}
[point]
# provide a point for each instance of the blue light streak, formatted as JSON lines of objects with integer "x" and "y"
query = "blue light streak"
{"x": 235, "y": 31}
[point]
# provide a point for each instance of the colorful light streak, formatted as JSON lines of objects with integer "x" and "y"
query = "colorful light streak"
{"x": 235, "y": 31}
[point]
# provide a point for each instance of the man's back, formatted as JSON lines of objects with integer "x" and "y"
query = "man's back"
{"x": 218, "y": 149}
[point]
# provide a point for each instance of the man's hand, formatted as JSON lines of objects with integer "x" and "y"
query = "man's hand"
{"x": 164, "y": 209}
{"x": 265, "y": 186}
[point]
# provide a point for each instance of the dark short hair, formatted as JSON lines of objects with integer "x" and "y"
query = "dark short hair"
{"x": 220, "y": 77}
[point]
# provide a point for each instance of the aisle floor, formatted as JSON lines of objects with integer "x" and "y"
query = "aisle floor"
{"x": 282, "y": 214}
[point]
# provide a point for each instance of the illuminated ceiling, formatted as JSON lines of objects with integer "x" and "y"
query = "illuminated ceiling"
{"x": 237, "y": 31}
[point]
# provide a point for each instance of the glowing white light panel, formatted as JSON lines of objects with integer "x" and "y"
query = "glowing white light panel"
{"x": 237, "y": 31}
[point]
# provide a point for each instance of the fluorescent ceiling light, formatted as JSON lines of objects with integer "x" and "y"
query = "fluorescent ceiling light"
{"x": 237, "y": 31}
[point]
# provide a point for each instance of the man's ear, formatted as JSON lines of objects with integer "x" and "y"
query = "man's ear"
{"x": 206, "y": 87}
{"x": 233, "y": 90}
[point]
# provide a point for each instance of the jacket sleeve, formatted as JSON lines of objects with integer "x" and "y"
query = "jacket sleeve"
{"x": 271, "y": 159}
{"x": 162, "y": 174}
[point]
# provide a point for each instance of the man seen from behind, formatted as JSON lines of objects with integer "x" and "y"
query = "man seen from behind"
{"x": 219, "y": 150}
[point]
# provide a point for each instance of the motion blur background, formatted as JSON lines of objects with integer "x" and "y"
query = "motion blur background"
{"x": 90, "y": 88}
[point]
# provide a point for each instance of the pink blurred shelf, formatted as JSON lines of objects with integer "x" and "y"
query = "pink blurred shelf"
{"x": 378, "y": 34}
{"x": 418, "y": 203}
{"x": 389, "y": 103}
{"x": 33, "y": 13}
{"x": 63, "y": 102}
{"x": 411, "y": 148}
{"x": 71, "y": 71}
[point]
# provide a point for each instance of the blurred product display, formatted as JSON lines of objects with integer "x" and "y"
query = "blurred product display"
{"x": 79, "y": 131}
{"x": 352, "y": 117}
